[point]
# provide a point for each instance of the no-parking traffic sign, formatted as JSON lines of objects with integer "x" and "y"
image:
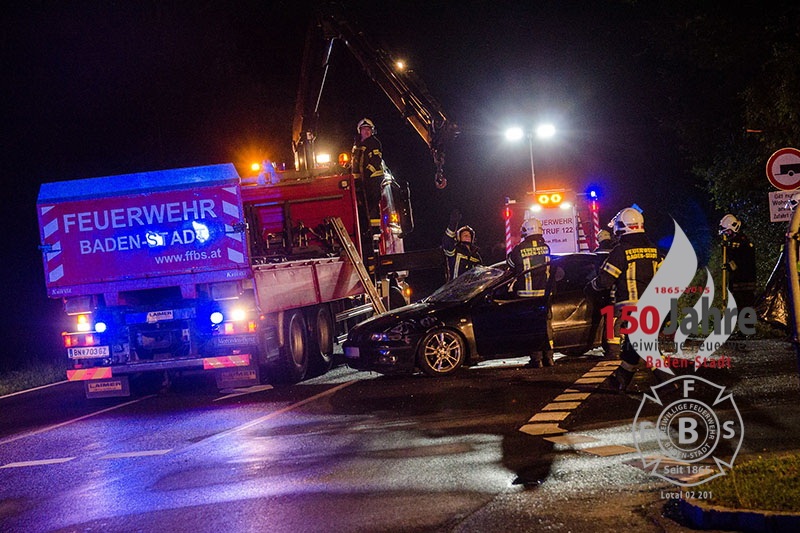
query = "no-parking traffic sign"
{"x": 783, "y": 169}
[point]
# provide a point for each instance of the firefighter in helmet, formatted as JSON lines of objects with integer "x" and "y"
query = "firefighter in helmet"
{"x": 738, "y": 261}
{"x": 459, "y": 247}
{"x": 368, "y": 167}
{"x": 628, "y": 269}
{"x": 530, "y": 259}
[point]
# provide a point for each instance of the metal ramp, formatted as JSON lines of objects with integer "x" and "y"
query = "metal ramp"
{"x": 352, "y": 254}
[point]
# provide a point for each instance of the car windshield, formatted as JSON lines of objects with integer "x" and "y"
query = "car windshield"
{"x": 466, "y": 285}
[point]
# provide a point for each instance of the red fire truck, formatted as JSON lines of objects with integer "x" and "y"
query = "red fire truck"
{"x": 198, "y": 269}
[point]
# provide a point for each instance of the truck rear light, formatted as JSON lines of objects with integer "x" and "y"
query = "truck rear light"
{"x": 231, "y": 328}
{"x": 72, "y": 340}
{"x": 83, "y": 323}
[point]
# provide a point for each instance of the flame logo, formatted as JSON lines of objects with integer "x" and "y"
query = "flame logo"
{"x": 677, "y": 270}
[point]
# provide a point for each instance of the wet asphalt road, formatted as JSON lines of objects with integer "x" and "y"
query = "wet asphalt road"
{"x": 354, "y": 451}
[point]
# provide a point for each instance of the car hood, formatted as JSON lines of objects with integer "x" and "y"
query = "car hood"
{"x": 413, "y": 312}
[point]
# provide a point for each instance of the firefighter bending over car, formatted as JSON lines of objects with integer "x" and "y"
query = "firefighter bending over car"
{"x": 459, "y": 247}
{"x": 628, "y": 269}
{"x": 367, "y": 167}
{"x": 530, "y": 260}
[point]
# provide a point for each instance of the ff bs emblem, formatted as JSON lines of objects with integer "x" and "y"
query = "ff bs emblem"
{"x": 694, "y": 438}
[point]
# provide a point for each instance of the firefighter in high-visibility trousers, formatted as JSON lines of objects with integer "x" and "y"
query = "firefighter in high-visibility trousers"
{"x": 628, "y": 269}
{"x": 459, "y": 247}
{"x": 530, "y": 259}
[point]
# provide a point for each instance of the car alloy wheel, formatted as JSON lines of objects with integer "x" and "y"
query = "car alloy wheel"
{"x": 441, "y": 352}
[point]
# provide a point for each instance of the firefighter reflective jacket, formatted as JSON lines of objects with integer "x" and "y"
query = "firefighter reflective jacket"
{"x": 367, "y": 167}
{"x": 528, "y": 254}
{"x": 461, "y": 256}
{"x": 628, "y": 269}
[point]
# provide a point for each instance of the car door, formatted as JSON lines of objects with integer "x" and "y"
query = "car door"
{"x": 575, "y": 317}
{"x": 504, "y": 323}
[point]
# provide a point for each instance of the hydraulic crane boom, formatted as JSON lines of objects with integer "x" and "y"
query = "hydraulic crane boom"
{"x": 403, "y": 88}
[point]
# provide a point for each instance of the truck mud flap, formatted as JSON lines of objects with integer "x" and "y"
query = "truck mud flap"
{"x": 107, "y": 388}
{"x": 237, "y": 377}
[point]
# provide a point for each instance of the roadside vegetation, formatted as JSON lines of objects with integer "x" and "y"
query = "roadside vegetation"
{"x": 763, "y": 483}
{"x": 33, "y": 375}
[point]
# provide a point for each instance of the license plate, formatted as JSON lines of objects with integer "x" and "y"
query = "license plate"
{"x": 351, "y": 352}
{"x": 87, "y": 352}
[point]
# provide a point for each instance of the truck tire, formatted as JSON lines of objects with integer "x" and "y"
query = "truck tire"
{"x": 321, "y": 334}
{"x": 293, "y": 362}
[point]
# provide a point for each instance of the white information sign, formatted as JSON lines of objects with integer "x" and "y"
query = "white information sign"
{"x": 778, "y": 210}
{"x": 559, "y": 229}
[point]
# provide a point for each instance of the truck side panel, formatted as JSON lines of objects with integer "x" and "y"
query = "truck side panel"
{"x": 299, "y": 284}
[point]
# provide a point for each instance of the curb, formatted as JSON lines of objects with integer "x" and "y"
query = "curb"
{"x": 712, "y": 517}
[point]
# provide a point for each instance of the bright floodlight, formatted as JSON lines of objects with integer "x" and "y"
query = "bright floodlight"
{"x": 514, "y": 134}
{"x": 545, "y": 131}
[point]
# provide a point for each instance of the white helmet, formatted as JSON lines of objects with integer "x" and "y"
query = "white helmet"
{"x": 628, "y": 220}
{"x": 729, "y": 223}
{"x": 603, "y": 235}
{"x": 365, "y": 122}
{"x": 532, "y": 226}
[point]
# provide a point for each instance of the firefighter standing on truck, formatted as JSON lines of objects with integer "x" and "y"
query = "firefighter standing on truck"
{"x": 530, "y": 259}
{"x": 367, "y": 167}
{"x": 459, "y": 247}
{"x": 628, "y": 269}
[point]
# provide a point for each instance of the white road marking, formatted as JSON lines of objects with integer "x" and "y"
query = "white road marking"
{"x": 607, "y": 451}
{"x": 38, "y": 463}
{"x": 72, "y": 421}
{"x": 273, "y": 414}
{"x": 143, "y": 453}
{"x": 564, "y": 404}
{"x": 242, "y": 391}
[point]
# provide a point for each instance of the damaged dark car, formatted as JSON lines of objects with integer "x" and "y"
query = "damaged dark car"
{"x": 477, "y": 317}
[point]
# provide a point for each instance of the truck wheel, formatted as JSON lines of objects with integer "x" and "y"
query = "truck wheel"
{"x": 441, "y": 352}
{"x": 294, "y": 353}
{"x": 320, "y": 340}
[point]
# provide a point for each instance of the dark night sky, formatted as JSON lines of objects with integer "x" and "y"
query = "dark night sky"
{"x": 102, "y": 88}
